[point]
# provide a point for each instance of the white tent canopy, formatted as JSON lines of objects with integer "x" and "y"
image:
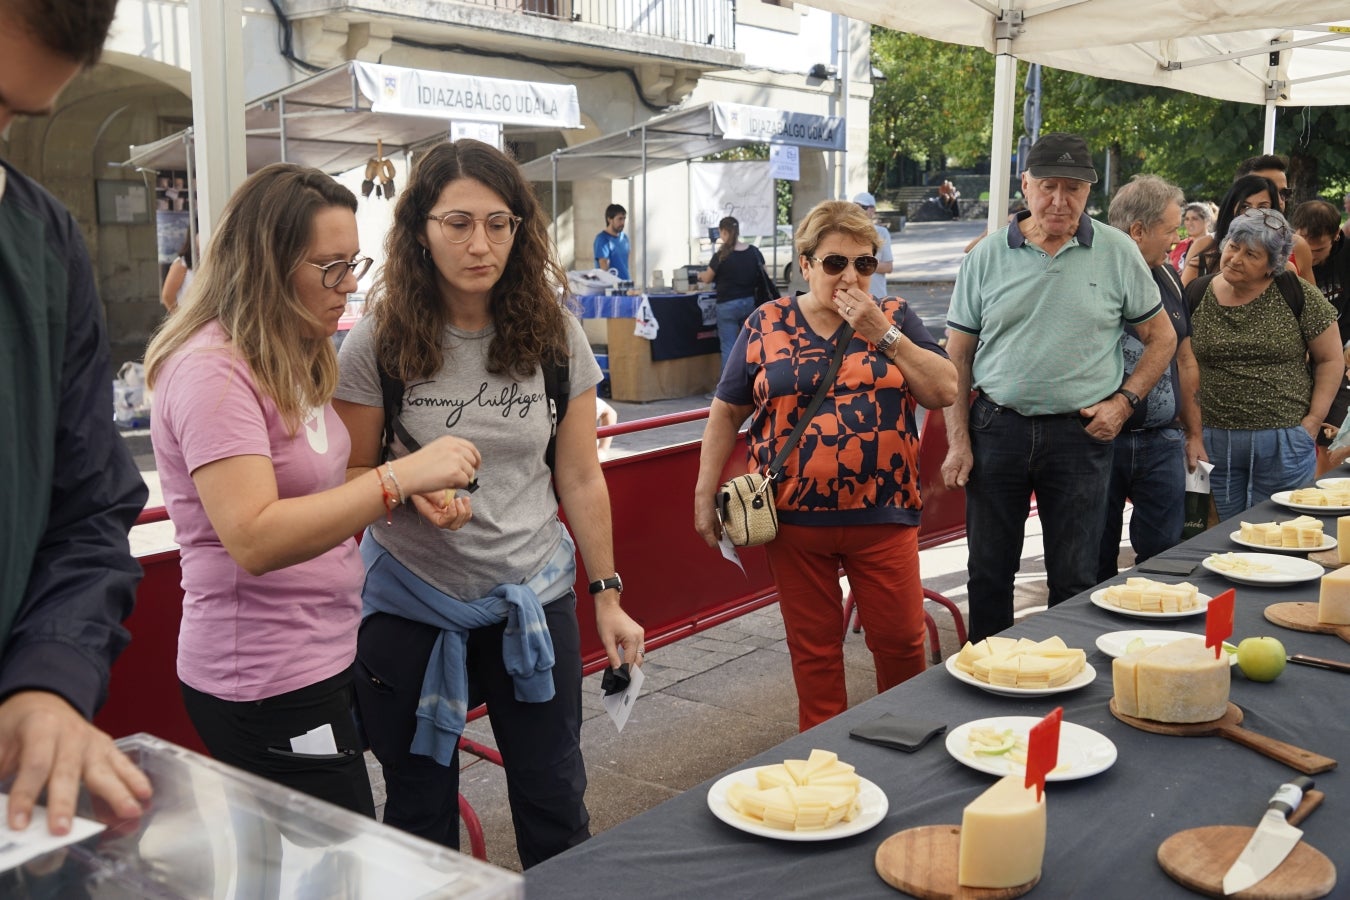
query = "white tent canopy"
{"x": 1219, "y": 48}
{"x": 332, "y": 120}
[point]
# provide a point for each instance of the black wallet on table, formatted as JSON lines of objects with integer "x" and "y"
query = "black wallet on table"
{"x": 890, "y": 730}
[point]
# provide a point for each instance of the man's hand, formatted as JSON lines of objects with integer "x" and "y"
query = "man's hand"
{"x": 1195, "y": 452}
{"x": 956, "y": 467}
{"x": 617, "y": 629}
{"x": 1107, "y": 416}
{"x": 44, "y": 742}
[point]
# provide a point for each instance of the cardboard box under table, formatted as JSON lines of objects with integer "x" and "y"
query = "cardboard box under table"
{"x": 683, "y": 359}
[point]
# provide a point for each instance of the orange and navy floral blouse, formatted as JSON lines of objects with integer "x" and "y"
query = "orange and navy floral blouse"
{"x": 857, "y": 461}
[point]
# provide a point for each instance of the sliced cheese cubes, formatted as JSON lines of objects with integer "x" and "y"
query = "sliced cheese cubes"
{"x": 1021, "y": 663}
{"x": 800, "y": 794}
{"x": 1177, "y": 682}
{"x": 1303, "y": 533}
{"x": 1333, "y": 606}
{"x": 1146, "y": 595}
{"x": 1002, "y": 836}
{"x": 1316, "y": 496}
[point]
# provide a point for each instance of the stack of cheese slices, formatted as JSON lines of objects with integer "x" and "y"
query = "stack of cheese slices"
{"x": 1146, "y": 595}
{"x": 1316, "y": 496}
{"x": 1303, "y": 533}
{"x": 800, "y": 794}
{"x": 1238, "y": 565}
{"x": 1020, "y": 663}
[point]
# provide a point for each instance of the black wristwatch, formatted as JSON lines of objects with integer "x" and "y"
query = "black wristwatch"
{"x": 1130, "y": 397}
{"x": 605, "y": 584}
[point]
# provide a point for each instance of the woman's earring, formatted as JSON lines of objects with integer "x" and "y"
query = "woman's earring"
{"x": 426, "y": 254}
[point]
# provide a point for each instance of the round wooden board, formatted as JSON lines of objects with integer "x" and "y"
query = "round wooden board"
{"x": 1232, "y": 716}
{"x": 1200, "y": 857}
{"x": 923, "y": 861}
{"x": 1303, "y": 617}
{"x": 1330, "y": 559}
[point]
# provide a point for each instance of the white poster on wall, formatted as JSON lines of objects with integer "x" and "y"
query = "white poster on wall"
{"x": 740, "y": 189}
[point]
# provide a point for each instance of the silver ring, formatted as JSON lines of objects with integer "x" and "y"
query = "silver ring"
{"x": 848, "y": 310}
{"x": 642, "y": 650}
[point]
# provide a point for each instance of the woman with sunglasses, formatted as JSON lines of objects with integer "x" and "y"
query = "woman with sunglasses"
{"x": 738, "y": 269}
{"x": 253, "y": 463}
{"x": 1247, "y": 192}
{"x": 1267, "y": 375}
{"x": 467, "y": 316}
{"x": 849, "y": 494}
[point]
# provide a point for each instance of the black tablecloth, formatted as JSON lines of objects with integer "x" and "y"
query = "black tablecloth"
{"x": 1104, "y": 831}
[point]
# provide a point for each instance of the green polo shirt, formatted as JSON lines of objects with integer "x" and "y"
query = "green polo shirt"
{"x": 1048, "y": 326}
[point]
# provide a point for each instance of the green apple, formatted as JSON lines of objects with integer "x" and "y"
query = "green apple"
{"x": 1261, "y": 658}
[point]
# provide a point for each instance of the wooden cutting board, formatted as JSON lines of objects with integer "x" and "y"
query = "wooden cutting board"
{"x": 1229, "y": 726}
{"x": 1199, "y": 858}
{"x": 1330, "y": 559}
{"x": 1303, "y": 617}
{"x": 923, "y": 861}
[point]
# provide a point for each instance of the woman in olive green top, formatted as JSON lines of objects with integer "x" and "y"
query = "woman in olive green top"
{"x": 1267, "y": 373}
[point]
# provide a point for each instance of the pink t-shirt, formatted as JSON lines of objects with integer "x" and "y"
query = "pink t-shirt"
{"x": 247, "y": 637}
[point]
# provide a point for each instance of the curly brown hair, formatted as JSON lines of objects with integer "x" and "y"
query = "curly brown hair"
{"x": 527, "y": 302}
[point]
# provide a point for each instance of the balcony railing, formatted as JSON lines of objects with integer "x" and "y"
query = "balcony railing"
{"x": 707, "y": 22}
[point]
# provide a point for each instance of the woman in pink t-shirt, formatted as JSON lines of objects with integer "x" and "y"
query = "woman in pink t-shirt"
{"x": 253, "y": 463}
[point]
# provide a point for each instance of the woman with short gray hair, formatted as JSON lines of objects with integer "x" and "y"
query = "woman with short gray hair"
{"x": 1270, "y": 362}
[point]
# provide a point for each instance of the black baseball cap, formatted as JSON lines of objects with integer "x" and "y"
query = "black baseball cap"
{"x": 1061, "y": 155}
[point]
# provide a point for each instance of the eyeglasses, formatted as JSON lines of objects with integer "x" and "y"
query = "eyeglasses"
{"x": 1270, "y": 218}
{"x": 458, "y": 227}
{"x": 1286, "y": 193}
{"x": 334, "y": 272}
{"x": 836, "y": 263}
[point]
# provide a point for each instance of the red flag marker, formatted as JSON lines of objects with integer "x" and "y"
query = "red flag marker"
{"x": 1043, "y": 750}
{"x": 1219, "y": 621}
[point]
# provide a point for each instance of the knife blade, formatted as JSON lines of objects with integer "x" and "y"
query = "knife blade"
{"x": 1272, "y": 841}
{"x": 1319, "y": 662}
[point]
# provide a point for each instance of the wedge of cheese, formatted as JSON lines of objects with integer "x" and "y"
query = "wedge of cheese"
{"x": 1333, "y": 606}
{"x": 1177, "y": 682}
{"x": 1343, "y": 540}
{"x": 1267, "y": 534}
{"x": 1303, "y": 533}
{"x": 1002, "y": 836}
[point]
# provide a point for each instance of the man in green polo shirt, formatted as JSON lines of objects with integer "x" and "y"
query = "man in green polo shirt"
{"x": 1044, "y": 301}
{"x": 69, "y": 489}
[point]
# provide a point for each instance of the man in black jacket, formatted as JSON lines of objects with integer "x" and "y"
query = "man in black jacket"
{"x": 70, "y": 490}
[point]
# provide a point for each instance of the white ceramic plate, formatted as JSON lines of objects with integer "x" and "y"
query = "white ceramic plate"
{"x": 1113, "y": 643}
{"x": 1098, "y": 598}
{"x": 1282, "y": 498}
{"x": 1328, "y": 543}
{"x": 871, "y": 799}
{"x": 1082, "y": 679}
{"x": 1082, "y": 751}
{"x": 1283, "y": 569}
{"x": 1331, "y": 483}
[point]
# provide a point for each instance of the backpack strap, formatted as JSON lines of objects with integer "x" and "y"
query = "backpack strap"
{"x": 1195, "y": 292}
{"x": 391, "y": 391}
{"x": 1292, "y": 288}
{"x": 558, "y": 389}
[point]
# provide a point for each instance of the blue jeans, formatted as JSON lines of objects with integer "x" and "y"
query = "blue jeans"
{"x": 1148, "y": 468}
{"x": 1014, "y": 457}
{"x": 731, "y": 316}
{"x": 1249, "y": 466}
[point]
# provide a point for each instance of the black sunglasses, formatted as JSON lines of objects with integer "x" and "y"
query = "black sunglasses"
{"x": 836, "y": 263}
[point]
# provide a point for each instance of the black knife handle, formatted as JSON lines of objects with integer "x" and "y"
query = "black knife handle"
{"x": 1290, "y": 795}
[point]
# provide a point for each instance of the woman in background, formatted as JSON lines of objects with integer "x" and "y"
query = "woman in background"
{"x": 1248, "y": 192}
{"x": 849, "y": 493}
{"x": 179, "y": 276}
{"x": 253, "y": 462}
{"x": 738, "y": 269}
{"x": 1196, "y": 218}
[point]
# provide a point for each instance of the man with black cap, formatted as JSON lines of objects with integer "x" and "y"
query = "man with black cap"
{"x": 885, "y": 256}
{"x": 1045, "y": 301}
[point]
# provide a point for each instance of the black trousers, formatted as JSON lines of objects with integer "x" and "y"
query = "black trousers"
{"x": 256, "y": 736}
{"x": 540, "y": 743}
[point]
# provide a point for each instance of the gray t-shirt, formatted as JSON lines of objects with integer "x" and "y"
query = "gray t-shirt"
{"x": 514, "y": 529}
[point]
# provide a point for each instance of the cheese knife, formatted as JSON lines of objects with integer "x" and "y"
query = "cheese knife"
{"x": 1319, "y": 663}
{"x": 1272, "y": 841}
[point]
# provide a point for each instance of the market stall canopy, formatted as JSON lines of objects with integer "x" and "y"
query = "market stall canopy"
{"x": 332, "y": 120}
{"x": 684, "y": 135}
{"x": 1218, "y": 48}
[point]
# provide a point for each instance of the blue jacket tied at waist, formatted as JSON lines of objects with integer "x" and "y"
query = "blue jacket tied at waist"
{"x": 527, "y": 648}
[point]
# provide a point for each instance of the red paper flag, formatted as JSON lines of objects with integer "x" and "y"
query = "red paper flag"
{"x": 1219, "y": 621}
{"x": 1043, "y": 750}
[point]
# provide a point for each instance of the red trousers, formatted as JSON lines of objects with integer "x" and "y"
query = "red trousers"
{"x": 882, "y": 565}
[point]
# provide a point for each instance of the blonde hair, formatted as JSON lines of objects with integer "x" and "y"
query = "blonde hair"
{"x": 243, "y": 282}
{"x": 835, "y": 217}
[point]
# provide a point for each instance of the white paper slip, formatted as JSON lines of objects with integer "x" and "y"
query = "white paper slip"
{"x": 620, "y": 705}
{"x": 729, "y": 551}
{"x": 18, "y": 847}
{"x": 316, "y": 742}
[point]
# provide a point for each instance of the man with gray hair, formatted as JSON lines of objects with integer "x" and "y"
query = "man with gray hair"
{"x": 1148, "y": 465}
{"x": 1045, "y": 300}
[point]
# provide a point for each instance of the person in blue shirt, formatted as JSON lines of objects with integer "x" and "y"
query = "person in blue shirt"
{"x": 611, "y": 245}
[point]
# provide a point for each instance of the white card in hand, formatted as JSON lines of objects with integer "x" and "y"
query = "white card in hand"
{"x": 620, "y": 705}
{"x": 18, "y": 847}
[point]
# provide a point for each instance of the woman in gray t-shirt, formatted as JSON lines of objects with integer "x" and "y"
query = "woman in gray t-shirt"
{"x": 465, "y": 320}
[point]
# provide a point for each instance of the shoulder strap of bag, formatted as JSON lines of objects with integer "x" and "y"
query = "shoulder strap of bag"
{"x": 1292, "y": 291}
{"x": 776, "y": 467}
{"x": 391, "y": 390}
{"x": 557, "y": 388}
{"x": 1195, "y": 292}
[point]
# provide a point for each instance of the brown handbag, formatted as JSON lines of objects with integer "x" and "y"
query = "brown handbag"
{"x": 746, "y": 503}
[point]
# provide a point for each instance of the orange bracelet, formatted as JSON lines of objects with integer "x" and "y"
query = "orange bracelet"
{"x": 390, "y": 499}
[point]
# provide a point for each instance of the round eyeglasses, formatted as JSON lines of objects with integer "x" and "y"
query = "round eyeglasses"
{"x": 458, "y": 227}
{"x": 335, "y": 271}
{"x": 836, "y": 263}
